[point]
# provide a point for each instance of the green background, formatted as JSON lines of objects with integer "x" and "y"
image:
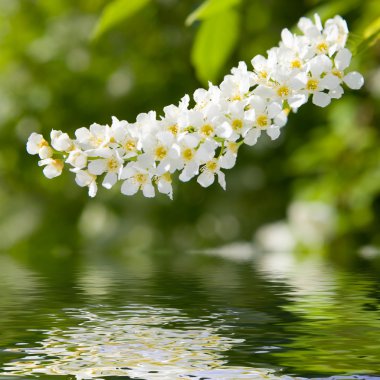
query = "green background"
{"x": 54, "y": 74}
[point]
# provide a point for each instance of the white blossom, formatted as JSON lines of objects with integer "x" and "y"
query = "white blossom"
{"x": 203, "y": 133}
{"x": 52, "y": 167}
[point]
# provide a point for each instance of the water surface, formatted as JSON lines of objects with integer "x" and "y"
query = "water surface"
{"x": 187, "y": 316}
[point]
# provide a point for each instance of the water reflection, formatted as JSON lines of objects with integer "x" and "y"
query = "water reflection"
{"x": 177, "y": 316}
{"x": 136, "y": 341}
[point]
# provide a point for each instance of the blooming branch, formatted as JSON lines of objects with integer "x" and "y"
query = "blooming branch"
{"x": 202, "y": 140}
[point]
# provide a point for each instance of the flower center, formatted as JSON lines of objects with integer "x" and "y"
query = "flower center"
{"x": 233, "y": 147}
{"x": 207, "y": 130}
{"x": 58, "y": 164}
{"x": 112, "y": 165}
{"x": 188, "y": 154}
{"x": 97, "y": 140}
{"x": 42, "y": 143}
{"x": 236, "y": 97}
{"x": 322, "y": 47}
{"x": 140, "y": 178}
{"x": 167, "y": 177}
{"x": 296, "y": 64}
{"x": 237, "y": 124}
{"x": 283, "y": 91}
{"x": 312, "y": 85}
{"x": 263, "y": 74}
{"x": 262, "y": 121}
{"x": 212, "y": 166}
{"x": 160, "y": 153}
{"x": 173, "y": 129}
{"x": 130, "y": 145}
{"x": 337, "y": 73}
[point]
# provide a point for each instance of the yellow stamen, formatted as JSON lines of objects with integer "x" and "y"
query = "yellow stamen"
{"x": 283, "y": 91}
{"x": 58, "y": 164}
{"x": 207, "y": 130}
{"x": 112, "y": 165}
{"x": 237, "y": 124}
{"x": 160, "y": 153}
{"x": 173, "y": 129}
{"x": 212, "y": 166}
{"x": 188, "y": 154}
{"x": 167, "y": 177}
{"x": 263, "y": 74}
{"x": 296, "y": 64}
{"x": 130, "y": 145}
{"x": 233, "y": 147}
{"x": 236, "y": 97}
{"x": 141, "y": 178}
{"x": 312, "y": 85}
{"x": 337, "y": 73}
{"x": 262, "y": 121}
{"x": 322, "y": 47}
{"x": 42, "y": 143}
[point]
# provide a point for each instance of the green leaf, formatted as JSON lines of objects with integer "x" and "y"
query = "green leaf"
{"x": 370, "y": 36}
{"x": 210, "y": 8}
{"x": 372, "y": 28}
{"x": 332, "y": 8}
{"x": 116, "y": 12}
{"x": 214, "y": 42}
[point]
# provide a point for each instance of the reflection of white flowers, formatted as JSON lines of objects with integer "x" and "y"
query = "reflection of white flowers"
{"x": 135, "y": 342}
{"x": 199, "y": 140}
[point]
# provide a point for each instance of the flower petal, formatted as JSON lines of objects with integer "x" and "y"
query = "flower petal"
{"x": 148, "y": 190}
{"x": 222, "y": 180}
{"x": 273, "y": 132}
{"x": 129, "y": 187}
{"x": 354, "y": 80}
{"x": 206, "y": 178}
{"x": 109, "y": 180}
{"x": 330, "y": 82}
{"x": 97, "y": 167}
{"x": 343, "y": 59}
{"x": 321, "y": 99}
{"x": 252, "y": 136}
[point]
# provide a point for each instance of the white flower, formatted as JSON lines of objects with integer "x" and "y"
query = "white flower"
{"x": 207, "y": 136}
{"x": 61, "y": 141}
{"x": 52, "y": 168}
{"x": 285, "y": 87}
{"x": 38, "y": 145}
{"x": 264, "y": 116}
{"x": 192, "y": 156}
{"x": 161, "y": 149}
{"x": 127, "y": 137}
{"x": 264, "y": 67}
{"x": 164, "y": 184}
{"x": 137, "y": 178}
{"x": 97, "y": 136}
{"x": 208, "y": 172}
{"x": 111, "y": 164}
{"x": 204, "y": 98}
{"x": 147, "y": 124}
{"x": 77, "y": 158}
{"x": 235, "y": 87}
{"x": 235, "y": 121}
{"x": 228, "y": 159}
{"x": 320, "y": 79}
{"x": 84, "y": 178}
{"x": 336, "y": 32}
{"x": 175, "y": 118}
{"x": 353, "y": 80}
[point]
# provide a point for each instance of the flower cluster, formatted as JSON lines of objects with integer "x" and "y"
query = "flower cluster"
{"x": 202, "y": 139}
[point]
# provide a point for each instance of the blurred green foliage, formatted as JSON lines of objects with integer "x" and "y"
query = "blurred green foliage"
{"x": 53, "y": 75}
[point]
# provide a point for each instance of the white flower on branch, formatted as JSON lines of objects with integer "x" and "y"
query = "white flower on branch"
{"x": 202, "y": 138}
